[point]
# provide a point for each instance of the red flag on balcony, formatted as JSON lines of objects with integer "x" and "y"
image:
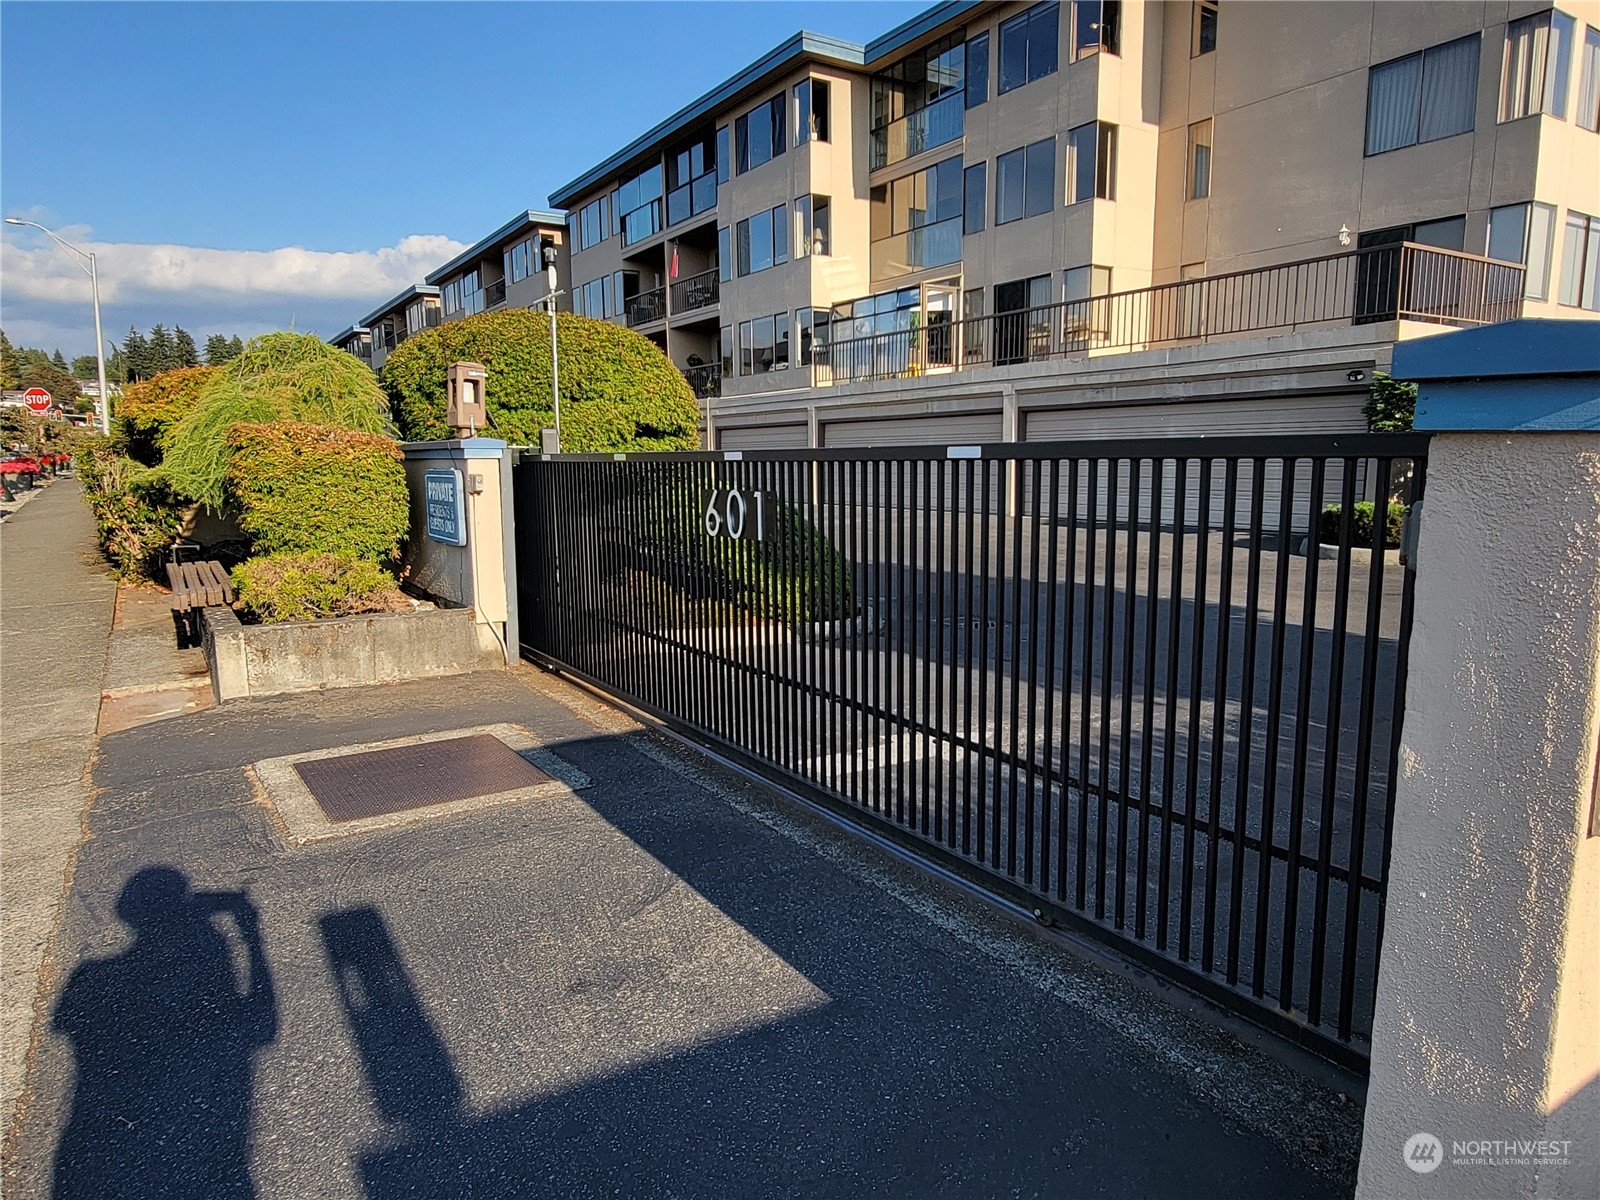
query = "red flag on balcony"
{"x": 673, "y": 271}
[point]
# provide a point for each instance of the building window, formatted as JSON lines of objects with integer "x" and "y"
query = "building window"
{"x": 764, "y": 344}
{"x": 811, "y": 330}
{"x": 1029, "y": 46}
{"x": 1200, "y": 160}
{"x": 1096, "y": 26}
{"x": 724, "y": 255}
{"x": 1024, "y": 182}
{"x": 758, "y": 136}
{"x": 811, "y": 111}
{"x": 1580, "y": 262}
{"x": 724, "y": 161}
{"x": 918, "y": 104}
{"x": 1537, "y": 62}
{"x": 1203, "y": 31}
{"x": 763, "y": 241}
{"x": 1422, "y": 97}
{"x": 977, "y": 188}
{"x": 1588, "y": 114}
{"x": 725, "y": 346}
{"x": 915, "y": 221}
{"x": 1081, "y": 283}
{"x": 1021, "y": 321}
{"x": 637, "y": 203}
{"x": 1524, "y": 233}
{"x": 812, "y": 220}
{"x": 977, "y": 70}
{"x": 1091, "y": 162}
{"x": 592, "y": 224}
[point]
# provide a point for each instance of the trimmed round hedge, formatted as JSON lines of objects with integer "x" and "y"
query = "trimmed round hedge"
{"x": 301, "y": 488}
{"x": 618, "y": 391}
{"x": 148, "y": 409}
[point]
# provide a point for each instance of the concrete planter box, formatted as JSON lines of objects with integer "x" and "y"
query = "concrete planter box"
{"x": 310, "y": 656}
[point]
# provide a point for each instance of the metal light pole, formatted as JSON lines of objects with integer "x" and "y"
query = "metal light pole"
{"x": 555, "y": 357}
{"x": 99, "y": 339}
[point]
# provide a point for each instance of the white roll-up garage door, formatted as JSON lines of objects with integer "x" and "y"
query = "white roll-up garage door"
{"x": 761, "y": 437}
{"x": 956, "y": 429}
{"x": 1247, "y": 418}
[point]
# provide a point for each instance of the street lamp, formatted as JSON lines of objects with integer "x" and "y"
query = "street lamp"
{"x": 99, "y": 339}
{"x": 555, "y": 360}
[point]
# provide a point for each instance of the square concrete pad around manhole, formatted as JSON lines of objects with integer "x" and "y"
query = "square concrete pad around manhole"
{"x": 354, "y": 789}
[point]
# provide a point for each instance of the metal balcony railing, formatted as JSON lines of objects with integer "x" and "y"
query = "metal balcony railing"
{"x": 705, "y": 381}
{"x": 697, "y": 291}
{"x": 494, "y": 294}
{"x": 646, "y": 307}
{"x": 1381, "y": 283}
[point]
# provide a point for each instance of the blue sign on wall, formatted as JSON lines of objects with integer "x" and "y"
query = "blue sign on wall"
{"x": 447, "y": 509}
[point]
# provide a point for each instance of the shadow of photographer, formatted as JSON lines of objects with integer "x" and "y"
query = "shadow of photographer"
{"x": 164, "y": 1036}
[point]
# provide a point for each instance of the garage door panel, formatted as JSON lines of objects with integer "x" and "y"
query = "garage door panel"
{"x": 761, "y": 437}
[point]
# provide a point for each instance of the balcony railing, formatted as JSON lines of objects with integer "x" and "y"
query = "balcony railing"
{"x": 697, "y": 291}
{"x": 1381, "y": 283}
{"x": 693, "y": 198}
{"x": 494, "y": 294}
{"x": 705, "y": 381}
{"x": 646, "y": 307}
{"x": 936, "y": 245}
{"x": 941, "y": 122}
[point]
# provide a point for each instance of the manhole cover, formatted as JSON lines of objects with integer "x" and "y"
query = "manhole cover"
{"x": 377, "y": 783}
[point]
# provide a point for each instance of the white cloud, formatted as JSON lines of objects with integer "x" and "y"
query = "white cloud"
{"x": 34, "y": 268}
{"x": 44, "y": 295}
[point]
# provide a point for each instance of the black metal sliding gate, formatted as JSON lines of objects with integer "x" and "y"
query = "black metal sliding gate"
{"x": 1125, "y": 683}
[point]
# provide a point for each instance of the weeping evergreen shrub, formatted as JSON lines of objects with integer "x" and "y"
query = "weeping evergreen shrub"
{"x": 147, "y": 410}
{"x": 279, "y": 377}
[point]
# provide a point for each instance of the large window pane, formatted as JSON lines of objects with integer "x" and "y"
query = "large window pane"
{"x": 779, "y": 218}
{"x": 1008, "y": 187}
{"x": 761, "y": 338}
{"x": 1203, "y": 30}
{"x": 1081, "y": 147}
{"x": 724, "y": 258}
{"x": 802, "y": 104}
{"x": 1508, "y": 232}
{"x": 744, "y": 248}
{"x": 1538, "y": 61}
{"x": 802, "y": 226}
{"x": 1588, "y": 114}
{"x": 1558, "y": 64}
{"x": 821, "y": 225}
{"x": 1029, "y": 46}
{"x": 1094, "y": 27}
{"x": 977, "y": 70}
{"x": 1039, "y": 177}
{"x": 761, "y": 241}
{"x": 1449, "y": 89}
{"x": 723, "y": 159}
{"x": 977, "y": 189}
{"x": 1541, "y": 241}
{"x": 1394, "y": 93}
{"x": 1014, "y": 53}
{"x": 746, "y": 348}
{"x": 1200, "y": 160}
{"x": 780, "y": 341}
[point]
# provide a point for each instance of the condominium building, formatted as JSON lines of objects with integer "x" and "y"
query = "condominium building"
{"x": 505, "y": 269}
{"x": 412, "y": 311}
{"x": 998, "y": 217}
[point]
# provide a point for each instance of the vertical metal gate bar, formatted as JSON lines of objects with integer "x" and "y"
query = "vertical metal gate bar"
{"x": 1302, "y": 738}
{"x": 1009, "y": 577}
{"x": 1091, "y": 509}
{"x": 1107, "y": 684}
{"x": 941, "y": 579}
{"x": 903, "y": 609}
{"x": 1247, "y": 722}
{"x": 1130, "y": 593}
{"x": 968, "y": 469}
{"x": 1219, "y": 710}
{"x": 1197, "y": 645}
{"x": 1069, "y": 634}
{"x": 986, "y": 684}
{"x": 926, "y": 712}
{"x": 1147, "y": 728}
{"x": 1036, "y": 506}
{"x": 1330, "y": 752}
{"x": 1051, "y": 687}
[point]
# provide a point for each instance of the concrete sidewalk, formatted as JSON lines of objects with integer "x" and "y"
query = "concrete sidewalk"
{"x": 669, "y": 983}
{"x": 57, "y": 601}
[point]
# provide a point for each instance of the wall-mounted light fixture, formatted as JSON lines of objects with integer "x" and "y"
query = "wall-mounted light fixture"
{"x": 1356, "y": 376}
{"x": 1344, "y": 235}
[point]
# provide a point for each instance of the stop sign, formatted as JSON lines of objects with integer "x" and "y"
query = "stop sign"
{"x": 37, "y": 399}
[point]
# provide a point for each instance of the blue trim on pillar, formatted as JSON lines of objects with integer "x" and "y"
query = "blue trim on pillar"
{"x": 455, "y": 448}
{"x": 1530, "y": 375}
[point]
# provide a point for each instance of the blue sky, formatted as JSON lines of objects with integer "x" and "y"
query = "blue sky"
{"x": 240, "y": 166}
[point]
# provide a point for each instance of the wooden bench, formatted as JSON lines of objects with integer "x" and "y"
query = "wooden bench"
{"x": 196, "y": 585}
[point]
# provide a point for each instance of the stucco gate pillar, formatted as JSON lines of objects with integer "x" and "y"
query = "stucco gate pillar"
{"x": 1486, "y": 1038}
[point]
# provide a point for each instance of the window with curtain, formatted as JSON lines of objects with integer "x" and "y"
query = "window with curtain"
{"x": 1580, "y": 262}
{"x": 1588, "y": 114}
{"x": 1200, "y": 160}
{"x": 758, "y": 136}
{"x": 1423, "y": 97}
{"x": 1538, "y": 62}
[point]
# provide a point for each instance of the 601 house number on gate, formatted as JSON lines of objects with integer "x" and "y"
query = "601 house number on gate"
{"x": 738, "y": 515}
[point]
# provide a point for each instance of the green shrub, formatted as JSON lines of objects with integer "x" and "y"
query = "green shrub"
{"x": 308, "y": 587}
{"x": 317, "y": 488}
{"x": 1361, "y": 524}
{"x": 618, "y": 391}
{"x": 137, "y": 518}
{"x": 147, "y": 410}
{"x": 279, "y": 377}
{"x": 1390, "y": 405}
